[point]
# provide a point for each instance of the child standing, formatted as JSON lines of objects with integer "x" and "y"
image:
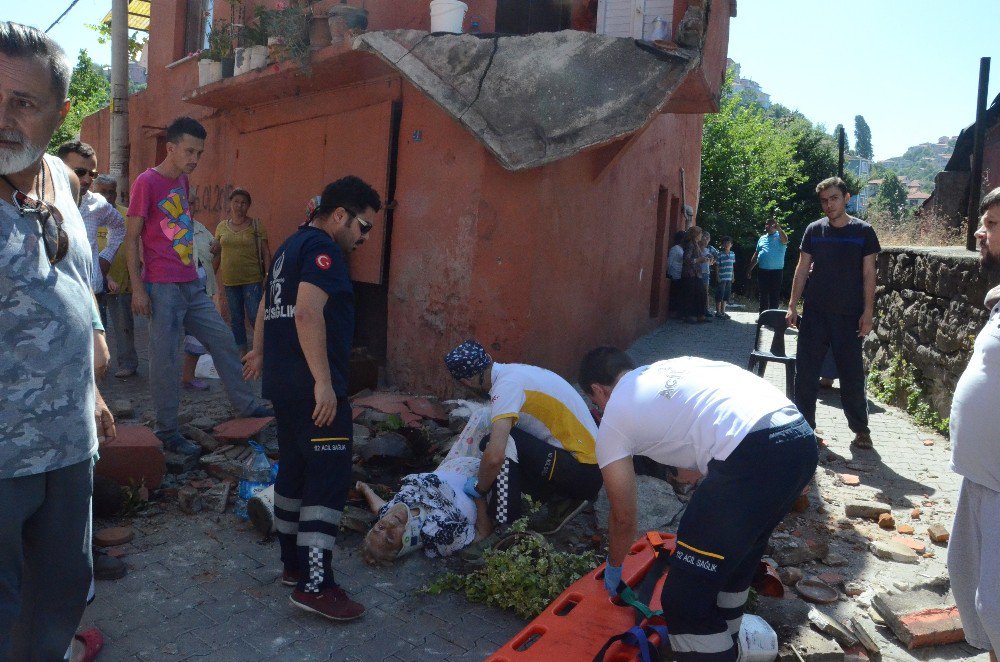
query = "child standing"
{"x": 726, "y": 261}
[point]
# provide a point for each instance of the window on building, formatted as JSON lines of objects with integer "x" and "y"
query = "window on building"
{"x": 199, "y": 22}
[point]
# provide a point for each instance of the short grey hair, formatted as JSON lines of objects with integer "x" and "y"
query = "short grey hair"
{"x": 106, "y": 180}
{"x": 23, "y": 41}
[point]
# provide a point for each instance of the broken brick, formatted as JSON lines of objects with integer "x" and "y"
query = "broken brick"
{"x": 240, "y": 429}
{"x": 427, "y": 409}
{"x": 387, "y": 403}
{"x": 915, "y": 545}
{"x": 928, "y": 442}
{"x": 849, "y": 479}
{"x": 886, "y": 521}
{"x": 113, "y": 536}
{"x": 920, "y": 618}
{"x": 932, "y": 627}
{"x": 134, "y": 456}
{"x": 831, "y": 578}
{"x": 905, "y": 528}
{"x": 915, "y": 513}
{"x": 938, "y": 533}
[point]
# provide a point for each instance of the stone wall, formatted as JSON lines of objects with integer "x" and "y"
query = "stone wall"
{"x": 929, "y": 307}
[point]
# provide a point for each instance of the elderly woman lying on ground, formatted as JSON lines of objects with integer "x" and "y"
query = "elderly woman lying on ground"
{"x": 430, "y": 511}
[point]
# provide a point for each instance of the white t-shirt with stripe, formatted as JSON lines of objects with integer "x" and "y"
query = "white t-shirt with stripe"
{"x": 544, "y": 405}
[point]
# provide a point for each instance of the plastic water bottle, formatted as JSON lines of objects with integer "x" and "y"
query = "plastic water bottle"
{"x": 256, "y": 477}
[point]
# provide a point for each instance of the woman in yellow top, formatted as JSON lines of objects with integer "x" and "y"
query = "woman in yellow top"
{"x": 242, "y": 258}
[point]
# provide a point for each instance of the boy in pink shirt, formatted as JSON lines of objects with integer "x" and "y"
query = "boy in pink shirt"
{"x": 161, "y": 230}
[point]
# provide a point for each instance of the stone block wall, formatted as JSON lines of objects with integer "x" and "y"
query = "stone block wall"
{"x": 929, "y": 307}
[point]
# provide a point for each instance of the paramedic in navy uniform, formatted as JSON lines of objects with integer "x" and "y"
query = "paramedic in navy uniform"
{"x": 306, "y": 321}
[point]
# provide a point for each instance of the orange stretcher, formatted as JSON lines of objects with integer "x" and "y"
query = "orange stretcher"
{"x": 577, "y": 624}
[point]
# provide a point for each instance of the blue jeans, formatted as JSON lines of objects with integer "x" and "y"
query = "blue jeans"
{"x": 45, "y": 560}
{"x": 243, "y": 303}
{"x": 180, "y": 308}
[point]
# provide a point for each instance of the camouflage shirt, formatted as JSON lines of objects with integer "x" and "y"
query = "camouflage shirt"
{"x": 46, "y": 365}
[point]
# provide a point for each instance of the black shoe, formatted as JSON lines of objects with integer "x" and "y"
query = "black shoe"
{"x": 108, "y": 567}
{"x": 555, "y": 515}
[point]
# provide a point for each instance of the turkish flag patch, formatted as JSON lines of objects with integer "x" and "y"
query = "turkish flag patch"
{"x": 323, "y": 261}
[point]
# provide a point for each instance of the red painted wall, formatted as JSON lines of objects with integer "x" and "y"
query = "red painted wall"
{"x": 540, "y": 265}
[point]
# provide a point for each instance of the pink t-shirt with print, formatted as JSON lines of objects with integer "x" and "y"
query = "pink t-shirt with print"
{"x": 168, "y": 232}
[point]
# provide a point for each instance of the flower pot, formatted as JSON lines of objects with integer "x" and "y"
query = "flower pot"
{"x": 346, "y": 22}
{"x": 258, "y": 57}
{"x": 228, "y": 65}
{"x": 209, "y": 71}
{"x": 242, "y": 59}
{"x": 319, "y": 32}
{"x": 276, "y": 50}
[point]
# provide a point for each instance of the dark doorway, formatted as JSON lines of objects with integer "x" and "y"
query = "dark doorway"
{"x": 659, "y": 271}
{"x": 529, "y": 16}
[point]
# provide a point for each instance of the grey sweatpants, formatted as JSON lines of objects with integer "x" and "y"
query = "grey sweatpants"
{"x": 45, "y": 560}
{"x": 974, "y": 564}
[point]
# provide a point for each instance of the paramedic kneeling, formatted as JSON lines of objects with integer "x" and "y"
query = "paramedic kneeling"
{"x": 756, "y": 452}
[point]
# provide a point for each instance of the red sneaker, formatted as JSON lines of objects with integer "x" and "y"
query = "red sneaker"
{"x": 330, "y": 603}
{"x": 289, "y": 578}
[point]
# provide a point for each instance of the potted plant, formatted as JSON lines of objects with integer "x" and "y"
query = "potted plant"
{"x": 346, "y": 22}
{"x": 287, "y": 30}
{"x": 252, "y": 52}
{"x": 209, "y": 68}
{"x": 220, "y": 46}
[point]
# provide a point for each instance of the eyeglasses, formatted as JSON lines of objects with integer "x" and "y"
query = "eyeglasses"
{"x": 366, "y": 226}
{"x": 54, "y": 238}
{"x": 80, "y": 172}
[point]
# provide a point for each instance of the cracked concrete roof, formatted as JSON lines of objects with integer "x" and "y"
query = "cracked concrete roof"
{"x": 539, "y": 98}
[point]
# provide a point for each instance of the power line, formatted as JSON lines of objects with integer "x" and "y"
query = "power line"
{"x": 71, "y": 5}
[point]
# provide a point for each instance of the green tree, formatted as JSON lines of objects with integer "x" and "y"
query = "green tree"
{"x": 891, "y": 196}
{"x": 862, "y": 137}
{"x": 135, "y": 44}
{"x": 748, "y": 170}
{"x": 89, "y": 91}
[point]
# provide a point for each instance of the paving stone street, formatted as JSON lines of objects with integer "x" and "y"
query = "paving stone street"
{"x": 206, "y": 586}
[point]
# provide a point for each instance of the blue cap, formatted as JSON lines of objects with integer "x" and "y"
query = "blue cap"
{"x": 467, "y": 360}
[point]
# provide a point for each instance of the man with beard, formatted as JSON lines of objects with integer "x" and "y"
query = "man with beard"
{"x": 553, "y": 432}
{"x": 305, "y": 325}
{"x": 974, "y": 546}
{"x": 51, "y": 414}
{"x": 160, "y": 230}
{"x": 840, "y": 304}
{"x": 97, "y": 213}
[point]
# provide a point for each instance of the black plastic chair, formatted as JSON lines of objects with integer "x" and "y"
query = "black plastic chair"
{"x": 775, "y": 321}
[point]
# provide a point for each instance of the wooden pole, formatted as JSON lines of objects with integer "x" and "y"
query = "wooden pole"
{"x": 119, "y": 152}
{"x": 976, "y": 181}
{"x": 841, "y": 144}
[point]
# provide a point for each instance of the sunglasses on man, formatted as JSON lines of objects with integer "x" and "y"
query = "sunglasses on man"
{"x": 366, "y": 227}
{"x": 54, "y": 238}
{"x": 80, "y": 172}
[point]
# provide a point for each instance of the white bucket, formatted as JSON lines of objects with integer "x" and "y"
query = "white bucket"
{"x": 757, "y": 641}
{"x": 448, "y": 15}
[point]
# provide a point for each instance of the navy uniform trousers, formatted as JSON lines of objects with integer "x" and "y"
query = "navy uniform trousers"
{"x": 723, "y": 534}
{"x": 314, "y": 477}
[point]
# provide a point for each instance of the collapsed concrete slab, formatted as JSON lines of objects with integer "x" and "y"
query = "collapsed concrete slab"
{"x": 534, "y": 99}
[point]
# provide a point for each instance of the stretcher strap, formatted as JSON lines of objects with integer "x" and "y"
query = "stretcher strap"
{"x": 639, "y": 637}
{"x": 629, "y": 597}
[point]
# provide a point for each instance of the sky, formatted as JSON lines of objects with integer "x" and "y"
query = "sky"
{"x": 910, "y": 67}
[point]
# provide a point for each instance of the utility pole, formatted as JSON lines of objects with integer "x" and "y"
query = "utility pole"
{"x": 841, "y": 145}
{"x": 976, "y": 183}
{"x": 119, "y": 152}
